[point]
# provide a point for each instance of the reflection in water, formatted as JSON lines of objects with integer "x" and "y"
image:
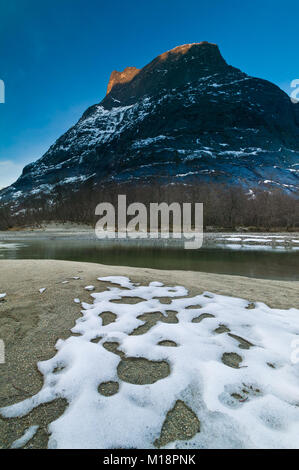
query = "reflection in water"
{"x": 260, "y": 264}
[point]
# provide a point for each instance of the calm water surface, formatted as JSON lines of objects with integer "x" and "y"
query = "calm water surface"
{"x": 253, "y": 263}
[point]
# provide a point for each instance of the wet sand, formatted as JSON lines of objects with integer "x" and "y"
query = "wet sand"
{"x": 31, "y": 322}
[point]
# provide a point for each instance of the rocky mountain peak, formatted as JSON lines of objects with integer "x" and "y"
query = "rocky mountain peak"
{"x": 121, "y": 77}
{"x": 206, "y": 51}
{"x": 171, "y": 69}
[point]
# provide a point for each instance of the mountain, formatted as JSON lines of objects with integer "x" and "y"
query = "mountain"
{"x": 187, "y": 116}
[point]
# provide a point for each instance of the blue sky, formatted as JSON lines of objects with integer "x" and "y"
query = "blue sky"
{"x": 56, "y": 56}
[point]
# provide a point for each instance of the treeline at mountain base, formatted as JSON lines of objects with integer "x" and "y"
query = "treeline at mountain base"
{"x": 225, "y": 207}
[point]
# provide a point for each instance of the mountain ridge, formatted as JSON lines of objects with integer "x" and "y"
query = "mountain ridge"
{"x": 187, "y": 116}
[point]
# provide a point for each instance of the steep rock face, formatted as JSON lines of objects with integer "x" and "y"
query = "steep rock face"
{"x": 119, "y": 78}
{"x": 187, "y": 116}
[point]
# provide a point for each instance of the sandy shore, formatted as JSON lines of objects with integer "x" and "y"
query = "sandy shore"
{"x": 31, "y": 322}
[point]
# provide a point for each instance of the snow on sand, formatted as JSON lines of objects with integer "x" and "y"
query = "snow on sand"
{"x": 230, "y": 363}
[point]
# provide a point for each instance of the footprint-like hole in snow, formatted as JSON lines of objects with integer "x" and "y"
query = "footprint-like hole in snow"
{"x": 112, "y": 346}
{"x": 152, "y": 318}
{"x": 141, "y": 371}
{"x": 246, "y": 392}
{"x": 107, "y": 317}
{"x": 171, "y": 316}
{"x": 181, "y": 423}
{"x": 96, "y": 340}
{"x": 221, "y": 329}
{"x": 235, "y": 395}
{"x": 127, "y": 300}
{"x": 202, "y": 317}
{"x": 231, "y": 360}
{"x": 167, "y": 342}
{"x": 165, "y": 300}
{"x": 243, "y": 343}
{"x": 190, "y": 307}
{"x": 108, "y": 388}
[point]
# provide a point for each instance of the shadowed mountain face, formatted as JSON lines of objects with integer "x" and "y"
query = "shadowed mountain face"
{"x": 187, "y": 116}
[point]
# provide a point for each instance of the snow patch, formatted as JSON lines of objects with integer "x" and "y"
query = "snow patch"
{"x": 252, "y": 403}
{"x": 27, "y": 436}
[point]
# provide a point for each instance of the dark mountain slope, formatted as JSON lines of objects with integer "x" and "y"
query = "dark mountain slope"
{"x": 187, "y": 116}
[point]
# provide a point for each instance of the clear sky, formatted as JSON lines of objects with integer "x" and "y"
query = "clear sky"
{"x": 56, "y": 56}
